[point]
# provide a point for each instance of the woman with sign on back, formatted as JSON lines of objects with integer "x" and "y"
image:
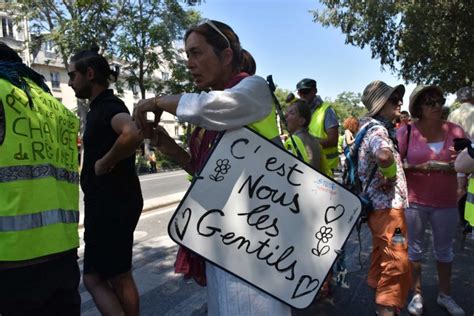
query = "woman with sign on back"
{"x": 237, "y": 98}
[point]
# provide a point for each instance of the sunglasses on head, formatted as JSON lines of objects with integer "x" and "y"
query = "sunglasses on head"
{"x": 433, "y": 102}
{"x": 215, "y": 28}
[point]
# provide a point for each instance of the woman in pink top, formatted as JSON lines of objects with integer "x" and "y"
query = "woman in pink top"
{"x": 427, "y": 147}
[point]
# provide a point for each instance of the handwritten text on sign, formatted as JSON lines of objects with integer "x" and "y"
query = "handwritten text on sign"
{"x": 265, "y": 216}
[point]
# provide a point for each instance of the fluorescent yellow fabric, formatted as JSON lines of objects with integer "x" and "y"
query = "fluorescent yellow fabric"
{"x": 39, "y": 192}
{"x": 469, "y": 209}
{"x": 299, "y": 143}
{"x": 316, "y": 128}
{"x": 266, "y": 127}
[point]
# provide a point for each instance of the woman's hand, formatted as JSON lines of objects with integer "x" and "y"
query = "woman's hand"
{"x": 162, "y": 140}
{"x": 141, "y": 110}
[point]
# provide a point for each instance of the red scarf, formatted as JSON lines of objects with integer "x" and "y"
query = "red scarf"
{"x": 201, "y": 140}
{"x": 187, "y": 262}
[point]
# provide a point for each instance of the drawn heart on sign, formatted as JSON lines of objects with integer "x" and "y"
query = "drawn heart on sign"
{"x": 305, "y": 285}
{"x": 181, "y": 223}
{"x": 333, "y": 213}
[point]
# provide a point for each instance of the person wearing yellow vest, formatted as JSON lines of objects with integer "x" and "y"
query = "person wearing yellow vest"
{"x": 39, "y": 192}
{"x": 112, "y": 196}
{"x": 298, "y": 117}
{"x": 324, "y": 123}
{"x": 465, "y": 164}
{"x": 237, "y": 98}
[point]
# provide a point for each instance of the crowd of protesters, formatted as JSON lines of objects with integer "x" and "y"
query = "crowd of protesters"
{"x": 406, "y": 156}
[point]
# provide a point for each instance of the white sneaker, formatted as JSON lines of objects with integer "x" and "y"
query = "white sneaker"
{"x": 448, "y": 303}
{"x": 416, "y": 305}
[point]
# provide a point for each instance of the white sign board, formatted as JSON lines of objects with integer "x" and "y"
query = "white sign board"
{"x": 260, "y": 213}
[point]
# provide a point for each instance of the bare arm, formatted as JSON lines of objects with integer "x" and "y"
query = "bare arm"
{"x": 349, "y": 137}
{"x": 125, "y": 145}
{"x": 167, "y": 146}
{"x": 331, "y": 139}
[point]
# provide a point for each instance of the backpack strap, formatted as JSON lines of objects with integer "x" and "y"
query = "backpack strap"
{"x": 354, "y": 151}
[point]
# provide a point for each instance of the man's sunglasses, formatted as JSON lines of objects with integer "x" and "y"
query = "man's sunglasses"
{"x": 304, "y": 91}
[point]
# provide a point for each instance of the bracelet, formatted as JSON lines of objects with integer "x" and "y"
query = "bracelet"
{"x": 390, "y": 171}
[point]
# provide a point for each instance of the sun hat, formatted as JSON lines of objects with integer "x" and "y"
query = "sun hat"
{"x": 417, "y": 92}
{"x": 377, "y": 93}
{"x": 464, "y": 94}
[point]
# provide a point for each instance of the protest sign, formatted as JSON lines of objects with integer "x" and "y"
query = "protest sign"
{"x": 265, "y": 216}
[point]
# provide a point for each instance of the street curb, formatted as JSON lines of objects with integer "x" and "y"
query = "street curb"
{"x": 151, "y": 204}
{"x": 163, "y": 201}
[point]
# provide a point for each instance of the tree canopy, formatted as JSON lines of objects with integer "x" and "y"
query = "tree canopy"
{"x": 423, "y": 41}
{"x": 348, "y": 104}
{"x": 145, "y": 42}
{"x": 139, "y": 32}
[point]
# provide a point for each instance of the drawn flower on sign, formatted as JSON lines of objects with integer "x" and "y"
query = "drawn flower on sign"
{"x": 323, "y": 236}
{"x": 222, "y": 167}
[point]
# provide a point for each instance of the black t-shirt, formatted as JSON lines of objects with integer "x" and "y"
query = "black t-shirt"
{"x": 122, "y": 182}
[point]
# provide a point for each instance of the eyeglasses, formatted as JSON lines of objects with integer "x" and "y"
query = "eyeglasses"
{"x": 433, "y": 102}
{"x": 304, "y": 91}
{"x": 72, "y": 74}
{"x": 215, "y": 28}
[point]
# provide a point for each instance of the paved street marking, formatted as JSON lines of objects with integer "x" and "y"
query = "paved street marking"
{"x": 161, "y": 176}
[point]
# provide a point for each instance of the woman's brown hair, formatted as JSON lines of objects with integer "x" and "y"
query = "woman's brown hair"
{"x": 217, "y": 41}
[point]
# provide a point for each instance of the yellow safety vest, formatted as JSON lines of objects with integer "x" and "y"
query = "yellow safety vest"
{"x": 316, "y": 128}
{"x": 299, "y": 143}
{"x": 469, "y": 208}
{"x": 267, "y": 127}
{"x": 39, "y": 191}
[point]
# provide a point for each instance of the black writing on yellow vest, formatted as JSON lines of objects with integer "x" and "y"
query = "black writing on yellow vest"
{"x": 46, "y": 132}
{"x": 15, "y": 101}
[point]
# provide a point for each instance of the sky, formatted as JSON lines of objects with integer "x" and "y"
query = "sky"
{"x": 286, "y": 43}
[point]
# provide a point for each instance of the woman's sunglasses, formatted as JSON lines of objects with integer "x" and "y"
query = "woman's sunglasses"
{"x": 433, "y": 102}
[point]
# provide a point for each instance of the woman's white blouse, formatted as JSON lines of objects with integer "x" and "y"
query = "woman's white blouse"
{"x": 247, "y": 102}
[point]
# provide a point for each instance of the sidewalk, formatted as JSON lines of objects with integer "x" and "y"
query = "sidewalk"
{"x": 358, "y": 300}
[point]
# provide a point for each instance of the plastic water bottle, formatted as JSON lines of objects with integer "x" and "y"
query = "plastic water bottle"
{"x": 398, "y": 239}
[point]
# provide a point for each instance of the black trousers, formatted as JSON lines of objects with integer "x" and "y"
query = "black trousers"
{"x": 48, "y": 288}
